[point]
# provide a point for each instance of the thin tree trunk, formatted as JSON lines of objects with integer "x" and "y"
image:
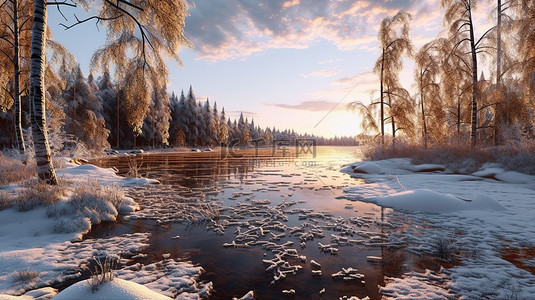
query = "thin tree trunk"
{"x": 45, "y": 169}
{"x": 393, "y": 120}
{"x": 382, "y": 103}
{"x": 498, "y": 72}
{"x": 423, "y": 110}
{"x": 118, "y": 130}
{"x": 19, "y": 137}
{"x": 473, "y": 135}
{"x": 458, "y": 121}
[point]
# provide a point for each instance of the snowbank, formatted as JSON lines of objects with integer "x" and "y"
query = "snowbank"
{"x": 35, "y": 245}
{"x": 484, "y": 213}
{"x": 104, "y": 176}
{"x": 430, "y": 201}
{"x": 118, "y": 289}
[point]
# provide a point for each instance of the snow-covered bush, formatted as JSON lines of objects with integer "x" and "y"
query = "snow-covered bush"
{"x": 521, "y": 159}
{"x": 39, "y": 193}
{"x": 458, "y": 158}
{"x": 90, "y": 203}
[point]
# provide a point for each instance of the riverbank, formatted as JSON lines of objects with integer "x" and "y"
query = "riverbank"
{"x": 41, "y": 231}
{"x": 480, "y": 218}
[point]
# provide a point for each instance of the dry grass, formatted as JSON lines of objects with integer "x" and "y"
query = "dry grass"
{"x": 103, "y": 271}
{"x": 444, "y": 249}
{"x": 4, "y": 200}
{"x": 461, "y": 159}
{"x": 133, "y": 168}
{"x": 13, "y": 170}
{"x": 39, "y": 193}
{"x": 27, "y": 276}
{"x": 93, "y": 191}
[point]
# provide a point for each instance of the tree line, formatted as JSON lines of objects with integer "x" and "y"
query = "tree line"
{"x": 93, "y": 112}
{"x": 139, "y": 36}
{"x": 454, "y": 102}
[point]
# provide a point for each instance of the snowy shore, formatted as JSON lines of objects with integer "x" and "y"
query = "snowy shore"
{"x": 43, "y": 246}
{"x": 481, "y": 215}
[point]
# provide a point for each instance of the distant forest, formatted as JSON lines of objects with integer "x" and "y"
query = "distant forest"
{"x": 93, "y": 112}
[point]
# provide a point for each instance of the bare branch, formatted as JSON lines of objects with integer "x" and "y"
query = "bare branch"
{"x": 484, "y": 35}
{"x": 8, "y": 41}
{"x": 78, "y": 21}
{"x": 61, "y": 3}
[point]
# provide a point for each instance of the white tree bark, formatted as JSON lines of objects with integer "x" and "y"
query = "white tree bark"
{"x": 16, "y": 86}
{"x": 45, "y": 169}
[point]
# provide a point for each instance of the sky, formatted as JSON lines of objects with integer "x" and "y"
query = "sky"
{"x": 292, "y": 64}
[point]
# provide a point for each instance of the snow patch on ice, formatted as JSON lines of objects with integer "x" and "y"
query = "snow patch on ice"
{"x": 58, "y": 262}
{"x": 417, "y": 286}
{"x": 174, "y": 279}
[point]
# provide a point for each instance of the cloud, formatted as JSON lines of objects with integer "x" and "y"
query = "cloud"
{"x": 235, "y": 114}
{"x": 230, "y": 29}
{"x": 362, "y": 78}
{"x": 322, "y": 73}
{"x": 315, "y": 105}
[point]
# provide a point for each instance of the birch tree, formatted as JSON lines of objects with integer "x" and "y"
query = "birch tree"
{"x": 140, "y": 34}
{"x": 525, "y": 12}
{"x": 456, "y": 84}
{"x": 14, "y": 41}
{"x": 430, "y": 104}
{"x": 459, "y": 17}
{"x": 393, "y": 45}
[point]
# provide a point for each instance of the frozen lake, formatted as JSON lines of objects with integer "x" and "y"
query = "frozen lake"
{"x": 303, "y": 213}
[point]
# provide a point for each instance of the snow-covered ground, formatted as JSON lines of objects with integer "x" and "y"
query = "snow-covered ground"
{"x": 482, "y": 214}
{"x": 41, "y": 247}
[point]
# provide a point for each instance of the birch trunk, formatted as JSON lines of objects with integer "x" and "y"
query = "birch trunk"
{"x": 16, "y": 82}
{"x": 473, "y": 135}
{"x": 423, "y": 110}
{"x": 382, "y": 102}
{"x": 498, "y": 72}
{"x": 45, "y": 169}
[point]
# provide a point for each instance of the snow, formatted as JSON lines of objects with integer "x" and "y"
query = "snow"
{"x": 118, "y": 289}
{"x": 368, "y": 168}
{"x": 57, "y": 262}
{"x": 432, "y": 202}
{"x": 482, "y": 213}
{"x": 104, "y": 176}
{"x": 416, "y": 286}
{"x": 43, "y": 247}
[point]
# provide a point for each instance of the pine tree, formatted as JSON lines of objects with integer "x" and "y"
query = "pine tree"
{"x": 83, "y": 109}
{"x": 193, "y": 120}
{"x": 180, "y": 121}
{"x": 223, "y": 132}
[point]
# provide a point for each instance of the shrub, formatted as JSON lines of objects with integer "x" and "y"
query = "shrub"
{"x": 103, "y": 271}
{"x": 90, "y": 203}
{"x": 27, "y": 276}
{"x": 4, "y": 200}
{"x": 444, "y": 249}
{"x": 39, "y": 193}
{"x": 458, "y": 158}
{"x": 13, "y": 170}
